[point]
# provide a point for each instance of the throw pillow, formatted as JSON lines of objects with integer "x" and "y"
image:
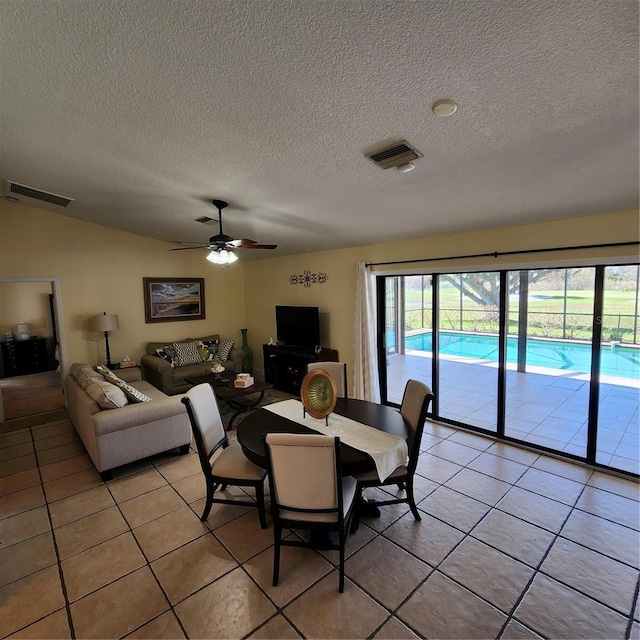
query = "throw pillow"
{"x": 168, "y": 353}
{"x": 107, "y": 395}
{"x": 208, "y": 349}
{"x": 187, "y": 353}
{"x": 224, "y": 349}
{"x": 131, "y": 392}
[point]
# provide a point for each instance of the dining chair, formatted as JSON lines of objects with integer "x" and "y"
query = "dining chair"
{"x": 230, "y": 467}
{"x": 337, "y": 370}
{"x": 415, "y": 403}
{"x": 308, "y": 492}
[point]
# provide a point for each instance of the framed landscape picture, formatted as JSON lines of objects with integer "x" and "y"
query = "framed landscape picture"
{"x": 172, "y": 299}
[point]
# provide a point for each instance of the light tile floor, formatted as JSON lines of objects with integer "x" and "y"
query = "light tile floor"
{"x": 511, "y": 544}
{"x": 547, "y": 407}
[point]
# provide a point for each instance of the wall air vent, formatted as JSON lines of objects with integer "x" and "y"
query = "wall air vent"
{"x": 37, "y": 194}
{"x": 206, "y": 220}
{"x": 394, "y": 155}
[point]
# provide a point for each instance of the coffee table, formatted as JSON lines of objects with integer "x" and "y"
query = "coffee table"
{"x": 225, "y": 390}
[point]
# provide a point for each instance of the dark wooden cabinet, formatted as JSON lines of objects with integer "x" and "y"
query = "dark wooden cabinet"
{"x": 286, "y": 367}
{"x": 22, "y": 357}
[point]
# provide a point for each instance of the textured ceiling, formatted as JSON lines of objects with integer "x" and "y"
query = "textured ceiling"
{"x": 145, "y": 110}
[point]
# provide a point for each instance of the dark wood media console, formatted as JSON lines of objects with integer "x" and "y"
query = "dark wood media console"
{"x": 285, "y": 367}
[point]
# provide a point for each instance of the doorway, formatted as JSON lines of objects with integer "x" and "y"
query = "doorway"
{"x": 22, "y": 396}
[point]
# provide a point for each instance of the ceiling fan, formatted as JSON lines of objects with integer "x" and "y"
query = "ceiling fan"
{"x": 221, "y": 245}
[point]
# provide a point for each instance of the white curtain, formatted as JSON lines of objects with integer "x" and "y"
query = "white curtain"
{"x": 366, "y": 385}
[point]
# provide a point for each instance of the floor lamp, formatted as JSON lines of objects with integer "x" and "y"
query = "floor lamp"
{"x": 105, "y": 323}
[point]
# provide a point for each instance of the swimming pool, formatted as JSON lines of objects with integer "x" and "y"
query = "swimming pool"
{"x": 555, "y": 354}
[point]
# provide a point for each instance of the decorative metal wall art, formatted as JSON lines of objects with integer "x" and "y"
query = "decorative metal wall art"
{"x": 307, "y": 278}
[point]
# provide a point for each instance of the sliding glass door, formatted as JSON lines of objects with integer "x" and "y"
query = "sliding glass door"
{"x": 468, "y": 348}
{"x": 546, "y": 357}
{"x": 549, "y": 357}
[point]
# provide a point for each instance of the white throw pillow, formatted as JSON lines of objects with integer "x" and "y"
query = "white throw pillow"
{"x": 107, "y": 395}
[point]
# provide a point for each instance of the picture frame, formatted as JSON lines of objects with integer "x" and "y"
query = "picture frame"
{"x": 173, "y": 299}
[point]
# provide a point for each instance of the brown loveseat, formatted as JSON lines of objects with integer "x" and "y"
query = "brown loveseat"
{"x": 169, "y": 377}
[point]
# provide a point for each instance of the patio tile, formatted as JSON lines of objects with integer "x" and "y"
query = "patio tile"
{"x": 428, "y": 539}
{"x": 168, "y": 532}
{"x": 136, "y": 597}
{"x": 192, "y": 566}
{"x": 454, "y": 452}
{"x": 81, "y": 505}
{"x": 436, "y": 469}
{"x": 440, "y": 608}
{"x": 479, "y": 486}
{"x": 87, "y": 532}
{"x": 597, "y": 533}
{"x": 515, "y": 537}
{"x": 70, "y": 485}
{"x": 23, "y": 526}
{"x": 299, "y": 569}
{"x": 492, "y": 575}
{"x": 393, "y": 629}
{"x": 132, "y": 486}
{"x": 604, "y": 579}
{"x": 29, "y": 599}
{"x": 19, "y": 481}
{"x": 386, "y": 571}
{"x": 454, "y": 508}
{"x": 22, "y": 500}
{"x": 277, "y": 627}
{"x": 324, "y": 612}
{"x": 534, "y": 508}
{"x": 551, "y": 486}
{"x": 26, "y": 557}
{"x": 96, "y": 567}
{"x": 557, "y": 611}
{"x": 220, "y": 609}
{"x": 166, "y": 625}
{"x": 497, "y": 467}
{"x": 610, "y": 506}
{"x": 53, "y": 626}
{"x": 151, "y": 505}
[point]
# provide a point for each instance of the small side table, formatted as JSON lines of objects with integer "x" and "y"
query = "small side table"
{"x": 121, "y": 372}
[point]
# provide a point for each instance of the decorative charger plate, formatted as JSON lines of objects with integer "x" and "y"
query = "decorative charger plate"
{"x": 318, "y": 393}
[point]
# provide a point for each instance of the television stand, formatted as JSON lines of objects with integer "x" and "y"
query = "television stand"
{"x": 285, "y": 367}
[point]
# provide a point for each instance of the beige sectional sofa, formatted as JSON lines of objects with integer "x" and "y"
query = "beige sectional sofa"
{"x": 116, "y": 430}
{"x": 169, "y": 377}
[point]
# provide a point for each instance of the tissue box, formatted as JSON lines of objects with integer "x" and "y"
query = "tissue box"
{"x": 243, "y": 383}
{"x": 125, "y": 364}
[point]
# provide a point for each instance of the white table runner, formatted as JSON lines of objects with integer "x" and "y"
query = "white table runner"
{"x": 388, "y": 451}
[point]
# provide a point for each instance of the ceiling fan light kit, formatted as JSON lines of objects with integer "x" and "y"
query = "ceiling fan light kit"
{"x": 221, "y": 247}
{"x": 222, "y": 256}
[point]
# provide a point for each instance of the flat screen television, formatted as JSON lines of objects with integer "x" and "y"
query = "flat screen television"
{"x": 298, "y": 326}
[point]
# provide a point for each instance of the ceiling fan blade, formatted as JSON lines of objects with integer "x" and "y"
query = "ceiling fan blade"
{"x": 202, "y": 246}
{"x": 199, "y": 244}
{"x": 259, "y": 246}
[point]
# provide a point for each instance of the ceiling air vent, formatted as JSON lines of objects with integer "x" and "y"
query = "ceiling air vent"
{"x": 206, "y": 220}
{"x": 394, "y": 155}
{"x": 36, "y": 194}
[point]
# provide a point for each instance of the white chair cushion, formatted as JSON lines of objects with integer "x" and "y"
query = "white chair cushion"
{"x": 233, "y": 464}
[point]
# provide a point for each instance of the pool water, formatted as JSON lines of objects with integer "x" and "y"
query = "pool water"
{"x": 616, "y": 361}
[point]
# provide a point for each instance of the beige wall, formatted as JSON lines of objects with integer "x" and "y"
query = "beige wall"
{"x": 25, "y": 302}
{"x": 267, "y": 281}
{"x": 101, "y": 269}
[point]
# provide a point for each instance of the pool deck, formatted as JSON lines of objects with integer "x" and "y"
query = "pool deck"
{"x": 547, "y": 407}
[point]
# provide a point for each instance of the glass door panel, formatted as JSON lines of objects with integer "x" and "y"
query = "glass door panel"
{"x": 468, "y": 322}
{"x": 409, "y": 316}
{"x": 618, "y": 439}
{"x": 549, "y": 357}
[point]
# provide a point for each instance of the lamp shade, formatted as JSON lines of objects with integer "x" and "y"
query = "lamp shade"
{"x": 105, "y": 322}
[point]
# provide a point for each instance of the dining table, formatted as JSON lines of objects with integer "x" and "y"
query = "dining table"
{"x": 252, "y": 430}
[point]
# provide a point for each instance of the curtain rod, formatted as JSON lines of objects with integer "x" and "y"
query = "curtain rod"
{"x": 495, "y": 254}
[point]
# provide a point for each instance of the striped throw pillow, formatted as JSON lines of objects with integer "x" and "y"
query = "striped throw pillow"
{"x": 187, "y": 353}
